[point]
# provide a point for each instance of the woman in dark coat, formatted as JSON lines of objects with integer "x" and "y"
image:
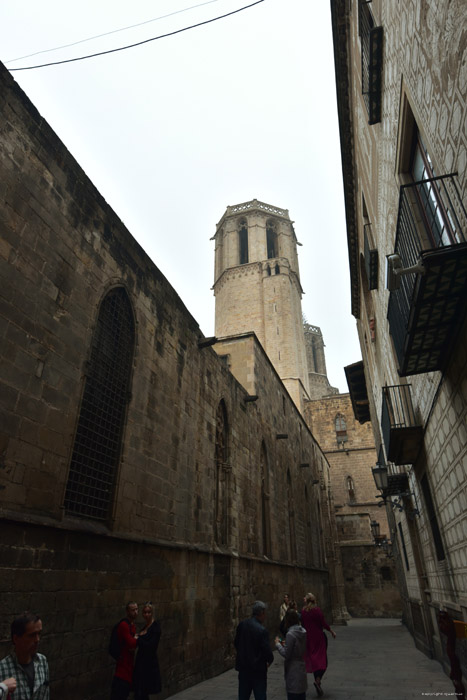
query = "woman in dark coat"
{"x": 146, "y": 674}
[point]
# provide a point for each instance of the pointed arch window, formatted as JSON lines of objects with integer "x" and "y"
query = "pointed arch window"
{"x": 265, "y": 502}
{"x": 349, "y": 482}
{"x": 221, "y": 525}
{"x": 243, "y": 243}
{"x": 341, "y": 429}
{"x": 98, "y": 440}
{"x": 291, "y": 511}
{"x": 309, "y": 530}
{"x": 271, "y": 241}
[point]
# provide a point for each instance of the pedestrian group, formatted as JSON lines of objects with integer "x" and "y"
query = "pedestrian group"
{"x": 302, "y": 642}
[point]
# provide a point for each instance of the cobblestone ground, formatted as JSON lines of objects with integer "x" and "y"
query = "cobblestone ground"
{"x": 368, "y": 659}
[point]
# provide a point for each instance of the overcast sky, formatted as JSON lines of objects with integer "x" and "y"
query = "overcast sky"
{"x": 174, "y": 131}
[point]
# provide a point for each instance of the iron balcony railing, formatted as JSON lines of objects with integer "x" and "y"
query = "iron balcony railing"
{"x": 400, "y": 429}
{"x": 431, "y": 220}
{"x": 372, "y": 62}
{"x": 371, "y": 259}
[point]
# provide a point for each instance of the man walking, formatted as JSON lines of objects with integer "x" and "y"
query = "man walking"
{"x": 254, "y": 655}
{"x": 126, "y": 633}
{"x": 24, "y": 664}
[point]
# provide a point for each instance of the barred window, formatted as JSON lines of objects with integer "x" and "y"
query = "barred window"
{"x": 265, "y": 501}
{"x": 341, "y": 428}
{"x": 98, "y": 440}
{"x": 223, "y": 468}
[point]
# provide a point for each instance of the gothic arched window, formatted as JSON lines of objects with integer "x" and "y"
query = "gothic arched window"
{"x": 265, "y": 500}
{"x": 309, "y": 530}
{"x": 98, "y": 439}
{"x": 291, "y": 511}
{"x": 350, "y": 488}
{"x": 243, "y": 243}
{"x": 341, "y": 429}
{"x": 221, "y": 526}
{"x": 271, "y": 241}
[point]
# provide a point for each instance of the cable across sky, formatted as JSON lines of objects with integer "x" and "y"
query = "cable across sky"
{"x": 139, "y": 43}
{"x": 112, "y": 31}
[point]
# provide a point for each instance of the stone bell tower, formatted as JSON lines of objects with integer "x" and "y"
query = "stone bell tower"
{"x": 257, "y": 287}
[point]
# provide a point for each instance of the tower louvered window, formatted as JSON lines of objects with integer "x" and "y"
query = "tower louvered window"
{"x": 98, "y": 440}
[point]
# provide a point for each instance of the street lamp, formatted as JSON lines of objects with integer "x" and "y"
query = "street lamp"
{"x": 375, "y": 528}
{"x": 380, "y": 475}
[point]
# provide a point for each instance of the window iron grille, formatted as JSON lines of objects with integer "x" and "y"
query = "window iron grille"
{"x": 371, "y": 38}
{"x": 97, "y": 445}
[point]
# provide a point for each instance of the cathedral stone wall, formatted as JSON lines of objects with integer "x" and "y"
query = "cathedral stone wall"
{"x": 62, "y": 250}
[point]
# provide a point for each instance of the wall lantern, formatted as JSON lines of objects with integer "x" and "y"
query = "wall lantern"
{"x": 375, "y": 528}
{"x": 380, "y": 475}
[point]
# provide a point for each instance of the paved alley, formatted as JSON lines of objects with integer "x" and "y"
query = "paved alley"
{"x": 368, "y": 659}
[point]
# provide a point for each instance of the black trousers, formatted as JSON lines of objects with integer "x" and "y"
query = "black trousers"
{"x": 120, "y": 689}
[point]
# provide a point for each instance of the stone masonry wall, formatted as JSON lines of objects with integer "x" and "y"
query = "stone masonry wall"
{"x": 355, "y": 504}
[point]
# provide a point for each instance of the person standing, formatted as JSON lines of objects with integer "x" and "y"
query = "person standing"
{"x": 126, "y": 633}
{"x": 316, "y": 659}
{"x": 293, "y": 650}
{"x": 254, "y": 655}
{"x": 146, "y": 674}
{"x": 284, "y": 607}
{"x": 24, "y": 665}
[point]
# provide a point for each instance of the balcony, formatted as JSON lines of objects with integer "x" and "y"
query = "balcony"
{"x": 355, "y": 376}
{"x": 371, "y": 259}
{"x": 372, "y": 62}
{"x": 402, "y": 433}
{"x": 427, "y": 310}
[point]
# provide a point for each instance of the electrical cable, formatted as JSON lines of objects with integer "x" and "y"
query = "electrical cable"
{"x": 113, "y": 31}
{"x": 139, "y": 43}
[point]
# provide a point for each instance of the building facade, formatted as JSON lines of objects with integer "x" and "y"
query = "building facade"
{"x": 134, "y": 464}
{"x": 401, "y": 76}
{"x": 363, "y": 534}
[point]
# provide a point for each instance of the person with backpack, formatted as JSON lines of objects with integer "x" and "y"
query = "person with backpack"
{"x": 122, "y": 647}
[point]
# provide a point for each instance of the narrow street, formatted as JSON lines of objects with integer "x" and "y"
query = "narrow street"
{"x": 368, "y": 659}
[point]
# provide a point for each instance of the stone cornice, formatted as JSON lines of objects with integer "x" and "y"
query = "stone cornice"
{"x": 255, "y": 206}
{"x": 341, "y": 39}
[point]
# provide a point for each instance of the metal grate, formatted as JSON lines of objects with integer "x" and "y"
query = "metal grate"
{"x": 97, "y": 445}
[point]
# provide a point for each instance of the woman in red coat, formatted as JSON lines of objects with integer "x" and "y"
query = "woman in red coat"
{"x": 316, "y": 659}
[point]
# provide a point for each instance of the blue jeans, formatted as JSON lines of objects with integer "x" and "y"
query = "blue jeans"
{"x": 296, "y": 696}
{"x": 248, "y": 682}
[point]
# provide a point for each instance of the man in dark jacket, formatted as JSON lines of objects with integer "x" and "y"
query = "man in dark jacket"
{"x": 254, "y": 655}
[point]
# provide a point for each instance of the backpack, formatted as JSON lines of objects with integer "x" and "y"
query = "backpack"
{"x": 115, "y": 646}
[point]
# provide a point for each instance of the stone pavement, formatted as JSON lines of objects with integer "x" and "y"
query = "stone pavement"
{"x": 368, "y": 659}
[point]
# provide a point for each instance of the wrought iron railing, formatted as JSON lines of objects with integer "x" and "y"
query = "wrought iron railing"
{"x": 397, "y": 411}
{"x": 371, "y": 259}
{"x": 431, "y": 215}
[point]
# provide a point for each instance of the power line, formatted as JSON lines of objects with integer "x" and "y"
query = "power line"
{"x": 113, "y": 31}
{"x": 139, "y": 43}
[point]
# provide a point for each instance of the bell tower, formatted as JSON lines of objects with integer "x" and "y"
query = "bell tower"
{"x": 257, "y": 287}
